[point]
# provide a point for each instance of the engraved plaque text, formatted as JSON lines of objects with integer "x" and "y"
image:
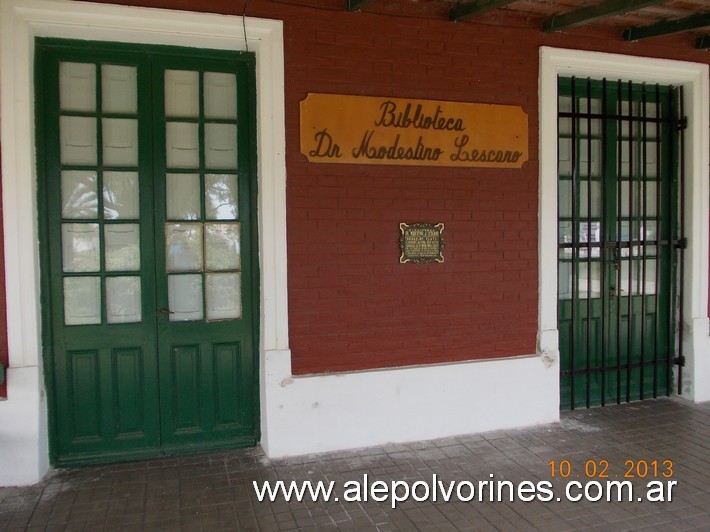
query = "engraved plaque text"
{"x": 421, "y": 242}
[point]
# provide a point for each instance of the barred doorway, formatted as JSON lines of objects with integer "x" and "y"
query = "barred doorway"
{"x": 620, "y": 240}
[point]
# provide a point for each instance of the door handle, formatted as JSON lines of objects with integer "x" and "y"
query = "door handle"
{"x": 617, "y": 258}
{"x": 165, "y": 311}
{"x": 612, "y": 293}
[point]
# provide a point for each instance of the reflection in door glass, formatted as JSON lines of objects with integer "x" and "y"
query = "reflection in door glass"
{"x": 121, "y": 195}
{"x": 222, "y": 246}
{"x": 221, "y": 196}
{"x": 79, "y": 198}
{"x": 183, "y": 246}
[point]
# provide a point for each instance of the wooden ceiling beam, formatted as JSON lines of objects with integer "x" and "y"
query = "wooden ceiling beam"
{"x": 466, "y": 10}
{"x": 587, "y": 15}
{"x": 357, "y": 5}
{"x": 703, "y": 42}
{"x": 668, "y": 27}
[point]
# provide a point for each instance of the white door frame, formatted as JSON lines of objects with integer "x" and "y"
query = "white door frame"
{"x": 693, "y": 77}
{"x": 23, "y": 417}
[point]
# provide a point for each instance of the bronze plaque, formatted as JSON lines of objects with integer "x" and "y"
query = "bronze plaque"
{"x": 421, "y": 242}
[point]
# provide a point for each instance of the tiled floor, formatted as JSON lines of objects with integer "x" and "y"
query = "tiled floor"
{"x": 214, "y": 491}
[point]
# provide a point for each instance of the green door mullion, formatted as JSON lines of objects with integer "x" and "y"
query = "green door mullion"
{"x": 165, "y": 372}
{"x": 100, "y": 196}
{"x": 643, "y": 250}
{"x": 147, "y": 244}
{"x": 206, "y": 408}
{"x": 205, "y": 414}
{"x": 658, "y": 305}
{"x": 612, "y": 266}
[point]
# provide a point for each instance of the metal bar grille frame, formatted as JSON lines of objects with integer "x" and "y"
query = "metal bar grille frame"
{"x": 623, "y": 350}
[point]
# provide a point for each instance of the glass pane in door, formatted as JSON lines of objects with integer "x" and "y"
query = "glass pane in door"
{"x": 183, "y": 196}
{"x": 77, "y": 86}
{"x": 185, "y": 295}
{"x": 119, "y": 94}
{"x": 123, "y": 299}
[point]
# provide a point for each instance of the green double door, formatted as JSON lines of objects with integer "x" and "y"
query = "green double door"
{"x": 619, "y": 240}
{"x": 146, "y": 172}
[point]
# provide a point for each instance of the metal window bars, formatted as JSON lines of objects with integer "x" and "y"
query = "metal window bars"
{"x": 621, "y": 239}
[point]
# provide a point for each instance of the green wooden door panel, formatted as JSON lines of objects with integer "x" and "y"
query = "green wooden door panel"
{"x": 210, "y": 401}
{"x": 125, "y": 378}
{"x": 85, "y": 396}
{"x": 129, "y": 398}
{"x": 105, "y": 401}
{"x": 185, "y": 388}
{"x": 650, "y": 340}
{"x": 226, "y": 366}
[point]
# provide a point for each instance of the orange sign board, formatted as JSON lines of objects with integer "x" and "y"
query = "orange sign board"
{"x": 337, "y": 128}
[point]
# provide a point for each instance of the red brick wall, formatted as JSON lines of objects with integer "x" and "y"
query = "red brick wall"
{"x": 351, "y": 304}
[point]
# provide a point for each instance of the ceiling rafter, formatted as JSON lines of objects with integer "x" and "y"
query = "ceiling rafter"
{"x": 465, "y": 10}
{"x": 587, "y": 15}
{"x": 357, "y": 5}
{"x": 692, "y": 22}
{"x": 605, "y": 13}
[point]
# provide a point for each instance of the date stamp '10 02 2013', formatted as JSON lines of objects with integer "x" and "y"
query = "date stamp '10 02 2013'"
{"x": 599, "y": 469}
{"x": 597, "y": 485}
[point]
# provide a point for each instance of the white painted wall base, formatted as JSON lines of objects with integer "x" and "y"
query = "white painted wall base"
{"x": 23, "y": 429}
{"x": 696, "y": 374}
{"x": 342, "y": 411}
